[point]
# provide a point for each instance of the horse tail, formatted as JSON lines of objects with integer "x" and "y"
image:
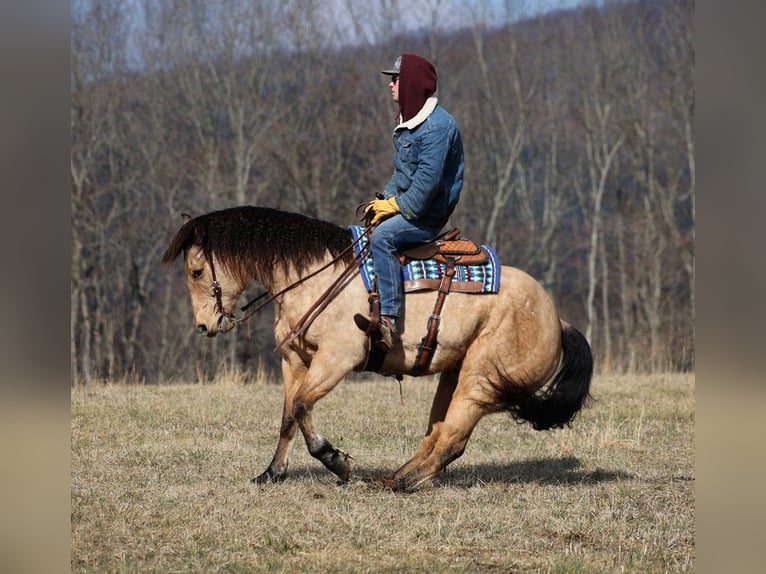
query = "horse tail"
{"x": 557, "y": 404}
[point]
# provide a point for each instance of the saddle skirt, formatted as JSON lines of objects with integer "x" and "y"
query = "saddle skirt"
{"x": 425, "y": 274}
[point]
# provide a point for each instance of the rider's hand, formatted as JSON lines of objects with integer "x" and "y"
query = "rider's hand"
{"x": 383, "y": 209}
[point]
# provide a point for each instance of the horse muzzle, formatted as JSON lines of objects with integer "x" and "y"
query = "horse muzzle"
{"x": 224, "y": 324}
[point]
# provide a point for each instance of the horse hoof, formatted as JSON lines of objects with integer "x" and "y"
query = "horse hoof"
{"x": 387, "y": 482}
{"x": 342, "y": 471}
{"x": 340, "y": 466}
{"x": 267, "y": 477}
{"x": 394, "y": 483}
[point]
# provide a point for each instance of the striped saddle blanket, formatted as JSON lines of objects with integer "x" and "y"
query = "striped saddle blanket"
{"x": 426, "y": 274}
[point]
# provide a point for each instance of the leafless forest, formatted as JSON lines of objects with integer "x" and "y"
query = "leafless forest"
{"x": 578, "y": 134}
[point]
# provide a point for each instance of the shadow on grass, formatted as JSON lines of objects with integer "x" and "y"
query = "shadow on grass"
{"x": 564, "y": 470}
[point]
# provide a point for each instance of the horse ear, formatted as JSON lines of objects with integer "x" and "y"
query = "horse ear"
{"x": 186, "y": 218}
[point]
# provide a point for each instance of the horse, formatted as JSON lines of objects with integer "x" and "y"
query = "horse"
{"x": 507, "y": 351}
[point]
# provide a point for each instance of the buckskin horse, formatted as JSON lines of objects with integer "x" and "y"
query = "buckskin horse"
{"x": 501, "y": 352}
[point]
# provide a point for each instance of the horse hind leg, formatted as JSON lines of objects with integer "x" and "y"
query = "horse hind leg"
{"x": 444, "y": 443}
{"x": 441, "y": 402}
{"x": 443, "y": 397}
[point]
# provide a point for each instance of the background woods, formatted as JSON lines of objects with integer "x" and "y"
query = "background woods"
{"x": 578, "y": 133}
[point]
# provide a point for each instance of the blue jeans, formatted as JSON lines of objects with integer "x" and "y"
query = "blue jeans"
{"x": 385, "y": 240}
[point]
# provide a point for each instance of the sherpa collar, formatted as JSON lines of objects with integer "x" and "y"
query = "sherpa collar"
{"x": 428, "y": 107}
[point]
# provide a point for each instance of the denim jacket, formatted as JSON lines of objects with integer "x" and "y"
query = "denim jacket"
{"x": 428, "y": 166}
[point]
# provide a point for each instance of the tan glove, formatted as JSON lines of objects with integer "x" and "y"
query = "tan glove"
{"x": 383, "y": 209}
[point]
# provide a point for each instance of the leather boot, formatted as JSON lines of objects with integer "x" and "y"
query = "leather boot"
{"x": 389, "y": 334}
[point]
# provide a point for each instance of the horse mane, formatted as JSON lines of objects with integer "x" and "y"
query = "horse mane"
{"x": 247, "y": 238}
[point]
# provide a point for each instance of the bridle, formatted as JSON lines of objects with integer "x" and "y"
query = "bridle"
{"x": 216, "y": 289}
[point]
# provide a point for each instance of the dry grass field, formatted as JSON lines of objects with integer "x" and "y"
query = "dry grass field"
{"x": 160, "y": 483}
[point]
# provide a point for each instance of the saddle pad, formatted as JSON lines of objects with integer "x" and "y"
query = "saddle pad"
{"x": 486, "y": 274}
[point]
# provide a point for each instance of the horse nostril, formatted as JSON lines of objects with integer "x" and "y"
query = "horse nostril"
{"x": 201, "y": 329}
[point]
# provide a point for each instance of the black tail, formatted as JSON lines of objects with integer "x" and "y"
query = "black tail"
{"x": 560, "y": 400}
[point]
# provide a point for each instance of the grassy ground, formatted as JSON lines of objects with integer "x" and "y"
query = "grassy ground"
{"x": 160, "y": 483}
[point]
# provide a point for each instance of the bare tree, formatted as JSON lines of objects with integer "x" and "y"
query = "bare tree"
{"x": 502, "y": 103}
{"x": 98, "y": 53}
{"x": 605, "y": 60}
{"x": 577, "y": 129}
{"x": 661, "y": 157}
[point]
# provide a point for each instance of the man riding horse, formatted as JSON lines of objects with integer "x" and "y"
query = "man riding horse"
{"x": 424, "y": 188}
{"x": 502, "y": 350}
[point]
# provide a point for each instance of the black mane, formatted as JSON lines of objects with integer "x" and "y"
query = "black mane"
{"x": 247, "y": 238}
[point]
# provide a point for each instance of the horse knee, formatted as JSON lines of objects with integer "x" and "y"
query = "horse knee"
{"x": 300, "y": 410}
{"x": 288, "y": 426}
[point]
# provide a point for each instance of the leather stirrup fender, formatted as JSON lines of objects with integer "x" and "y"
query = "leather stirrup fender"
{"x": 428, "y": 343}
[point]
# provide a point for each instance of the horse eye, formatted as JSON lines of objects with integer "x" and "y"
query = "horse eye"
{"x": 196, "y": 273}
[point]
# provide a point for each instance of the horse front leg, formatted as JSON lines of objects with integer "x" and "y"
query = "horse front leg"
{"x": 277, "y": 469}
{"x": 321, "y": 378}
{"x": 320, "y": 448}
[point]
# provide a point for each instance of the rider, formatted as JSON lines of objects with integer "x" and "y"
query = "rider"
{"x": 425, "y": 186}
